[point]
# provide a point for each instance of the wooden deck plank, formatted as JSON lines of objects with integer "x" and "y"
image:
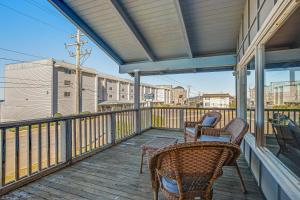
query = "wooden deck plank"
{"x": 114, "y": 174}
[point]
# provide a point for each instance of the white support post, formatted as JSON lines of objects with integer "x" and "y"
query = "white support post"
{"x": 96, "y": 93}
{"x": 137, "y": 100}
{"x": 259, "y": 95}
{"x": 241, "y": 76}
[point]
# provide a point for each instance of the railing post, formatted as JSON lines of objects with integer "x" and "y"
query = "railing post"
{"x": 181, "y": 119}
{"x": 66, "y": 141}
{"x": 112, "y": 128}
{"x": 137, "y": 99}
{"x": 150, "y": 117}
{"x": 241, "y": 86}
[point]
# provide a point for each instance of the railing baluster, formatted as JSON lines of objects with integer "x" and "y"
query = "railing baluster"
{"x": 99, "y": 130}
{"x": 39, "y": 147}
{"x": 17, "y": 153}
{"x": 102, "y": 128}
{"x": 29, "y": 151}
{"x": 48, "y": 144}
{"x": 56, "y": 143}
{"x": 3, "y": 156}
{"x": 75, "y": 136}
{"x": 90, "y": 134}
{"x": 95, "y": 130}
{"x": 85, "y": 134}
{"x": 80, "y": 136}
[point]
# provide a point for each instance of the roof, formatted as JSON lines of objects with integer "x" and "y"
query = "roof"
{"x": 61, "y": 63}
{"x": 216, "y": 95}
{"x": 179, "y": 87}
{"x": 149, "y": 36}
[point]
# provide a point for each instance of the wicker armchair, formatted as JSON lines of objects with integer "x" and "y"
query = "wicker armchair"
{"x": 235, "y": 130}
{"x": 192, "y": 129}
{"x": 192, "y": 168}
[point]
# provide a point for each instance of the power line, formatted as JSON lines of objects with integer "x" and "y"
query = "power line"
{"x": 33, "y": 18}
{"x": 18, "y": 52}
{"x": 41, "y": 7}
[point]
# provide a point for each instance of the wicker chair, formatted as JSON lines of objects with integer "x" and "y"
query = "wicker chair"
{"x": 235, "y": 130}
{"x": 191, "y": 167}
{"x": 192, "y": 129}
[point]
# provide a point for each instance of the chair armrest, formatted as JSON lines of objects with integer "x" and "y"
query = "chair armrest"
{"x": 214, "y": 132}
{"x": 190, "y": 123}
{"x": 199, "y": 128}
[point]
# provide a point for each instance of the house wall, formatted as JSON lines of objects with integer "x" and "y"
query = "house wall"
{"x": 65, "y": 103}
{"x": 123, "y": 91}
{"x": 216, "y": 102}
{"x": 254, "y": 15}
{"x": 28, "y": 91}
{"x": 88, "y": 92}
{"x": 112, "y": 90}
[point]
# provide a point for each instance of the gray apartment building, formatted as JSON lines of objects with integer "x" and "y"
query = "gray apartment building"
{"x": 43, "y": 88}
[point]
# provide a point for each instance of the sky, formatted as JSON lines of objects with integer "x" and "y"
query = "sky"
{"x": 35, "y": 27}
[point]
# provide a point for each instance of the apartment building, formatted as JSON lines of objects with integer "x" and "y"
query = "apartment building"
{"x": 46, "y": 87}
{"x": 278, "y": 93}
{"x": 179, "y": 95}
{"x": 221, "y": 100}
{"x": 118, "y": 93}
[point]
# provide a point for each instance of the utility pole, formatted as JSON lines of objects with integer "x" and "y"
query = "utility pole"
{"x": 188, "y": 96}
{"x": 80, "y": 56}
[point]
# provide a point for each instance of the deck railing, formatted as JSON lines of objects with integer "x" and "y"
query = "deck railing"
{"x": 34, "y": 148}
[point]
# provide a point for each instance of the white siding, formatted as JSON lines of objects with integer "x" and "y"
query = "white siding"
{"x": 28, "y": 91}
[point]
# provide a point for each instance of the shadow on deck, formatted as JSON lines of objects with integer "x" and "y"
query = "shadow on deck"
{"x": 114, "y": 174}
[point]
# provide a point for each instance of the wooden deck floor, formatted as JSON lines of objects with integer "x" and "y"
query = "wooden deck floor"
{"x": 114, "y": 174}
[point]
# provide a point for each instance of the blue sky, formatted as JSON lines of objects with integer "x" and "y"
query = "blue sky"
{"x": 35, "y": 27}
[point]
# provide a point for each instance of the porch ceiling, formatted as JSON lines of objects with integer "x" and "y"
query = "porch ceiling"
{"x": 151, "y": 31}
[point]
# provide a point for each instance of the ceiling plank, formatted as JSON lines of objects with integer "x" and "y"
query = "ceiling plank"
{"x": 128, "y": 22}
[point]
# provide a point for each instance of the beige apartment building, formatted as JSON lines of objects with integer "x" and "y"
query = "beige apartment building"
{"x": 278, "y": 93}
{"x": 179, "y": 95}
{"x": 44, "y": 88}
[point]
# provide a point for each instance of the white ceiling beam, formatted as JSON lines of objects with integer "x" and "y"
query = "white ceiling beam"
{"x": 128, "y": 22}
{"x": 199, "y": 64}
{"x": 183, "y": 28}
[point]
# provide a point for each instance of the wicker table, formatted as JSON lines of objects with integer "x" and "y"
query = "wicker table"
{"x": 155, "y": 144}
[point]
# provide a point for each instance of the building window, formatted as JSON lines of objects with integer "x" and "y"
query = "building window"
{"x": 67, "y": 82}
{"x": 68, "y": 71}
{"x": 67, "y": 94}
{"x": 110, "y": 96}
{"x": 110, "y": 88}
{"x": 123, "y": 90}
{"x": 123, "y": 96}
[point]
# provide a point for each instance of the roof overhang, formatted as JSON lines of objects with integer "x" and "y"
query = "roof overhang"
{"x": 185, "y": 65}
{"x": 160, "y": 37}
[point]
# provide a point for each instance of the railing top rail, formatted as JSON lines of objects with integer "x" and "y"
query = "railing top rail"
{"x": 188, "y": 107}
{"x": 57, "y": 119}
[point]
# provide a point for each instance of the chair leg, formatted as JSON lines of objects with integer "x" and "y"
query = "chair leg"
{"x": 155, "y": 194}
{"x": 241, "y": 178}
{"x": 142, "y": 162}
